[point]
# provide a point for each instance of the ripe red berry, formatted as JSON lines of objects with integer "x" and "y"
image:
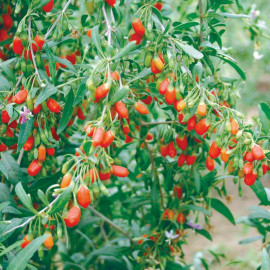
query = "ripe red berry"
{"x": 181, "y": 160}
{"x": 29, "y": 143}
{"x": 102, "y": 91}
{"x": 50, "y": 151}
{"x": 202, "y": 127}
{"x": 136, "y": 37}
{"x": 182, "y": 142}
{"x": 48, "y": 7}
{"x": 250, "y": 179}
{"x": 163, "y": 86}
{"x": 111, "y": 2}
{"x": 34, "y": 168}
{"x": 141, "y": 108}
{"x": 191, "y": 123}
{"x": 5, "y": 118}
{"x": 171, "y": 150}
{"x": 248, "y": 168}
{"x": 20, "y": 97}
{"x": 73, "y": 217}
{"x": 40, "y": 42}
{"x": 119, "y": 171}
{"x": 53, "y": 105}
{"x": 138, "y": 27}
{"x": 210, "y": 164}
{"x": 7, "y": 21}
{"x": 98, "y": 136}
{"x": 83, "y": 196}
{"x": 170, "y": 95}
{"x": 121, "y": 109}
{"x": 17, "y": 46}
{"x": 214, "y": 150}
{"x": 190, "y": 160}
{"x": 108, "y": 138}
{"x": 257, "y": 152}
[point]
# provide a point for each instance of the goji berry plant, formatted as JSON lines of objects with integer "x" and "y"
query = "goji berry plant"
{"x": 118, "y": 122}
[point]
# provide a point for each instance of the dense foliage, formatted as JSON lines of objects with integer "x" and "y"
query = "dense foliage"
{"x": 118, "y": 122}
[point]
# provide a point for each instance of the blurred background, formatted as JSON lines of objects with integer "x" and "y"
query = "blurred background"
{"x": 253, "y": 56}
{"x": 257, "y": 86}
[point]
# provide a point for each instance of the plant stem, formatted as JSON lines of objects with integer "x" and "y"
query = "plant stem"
{"x": 97, "y": 213}
{"x": 109, "y": 28}
{"x": 32, "y": 53}
{"x": 31, "y": 218}
{"x": 56, "y": 21}
{"x": 201, "y": 20}
{"x": 20, "y": 156}
{"x": 157, "y": 123}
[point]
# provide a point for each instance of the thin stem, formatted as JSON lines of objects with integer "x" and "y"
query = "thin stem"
{"x": 157, "y": 123}
{"x": 31, "y": 218}
{"x": 61, "y": 85}
{"x": 20, "y": 156}
{"x": 56, "y": 21}
{"x": 154, "y": 170}
{"x": 109, "y": 28}
{"x": 97, "y": 213}
{"x": 201, "y": 20}
{"x": 32, "y": 53}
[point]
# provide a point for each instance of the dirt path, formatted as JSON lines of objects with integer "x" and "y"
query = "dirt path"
{"x": 226, "y": 236}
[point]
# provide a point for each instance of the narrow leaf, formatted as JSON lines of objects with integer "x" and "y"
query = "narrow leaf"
{"x": 67, "y": 112}
{"x": 19, "y": 262}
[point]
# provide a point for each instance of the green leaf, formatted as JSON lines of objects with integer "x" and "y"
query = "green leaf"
{"x": 185, "y": 26}
{"x": 265, "y": 260}
{"x": 5, "y": 195}
{"x": 205, "y": 233}
{"x": 266, "y": 109}
{"x": 96, "y": 40}
{"x": 195, "y": 208}
{"x": 9, "y": 248}
{"x": 25, "y": 130}
{"x": 5, "y": 86}
{"x": 234, "y": 16}
{"x": 126, "y": 50}
{"x": 45, "y": 93}
{"x": 43, "y": 197}
{"x": 5, "y": 228}
{"x": 66, "y": 63}
{"x": 19, "y": 262}
{"x": 24, "y": 198}
{"x": 222, "y": 209}
{"x": 51, "y": 61}
{"x": 250, "y": 239}
{"x": 264, "y": 121}
{"x": 259, "y": 213}
{"x": 197, "y": 179}
{"x": 44, "y": 182}
{"x": 67, "y": 112}
{"x": 81, "y": 92}
{"x": 119, "y": 95}
{"x": 234, "y": 65}
{"x": 260, "y": 192}
{"x": 158, "y": 14}
{"x": 41, "y": 3}
{"x": 141, "y": 75}
{"x": 191, "y": 51}
{"x": 9, "y": 73}
{"x": 61, "y": 201}
{"x": 10, "y": 168}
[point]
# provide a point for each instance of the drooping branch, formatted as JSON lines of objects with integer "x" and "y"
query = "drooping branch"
{"x": 56, "y": 21}
{"x": 97, "y": 213}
